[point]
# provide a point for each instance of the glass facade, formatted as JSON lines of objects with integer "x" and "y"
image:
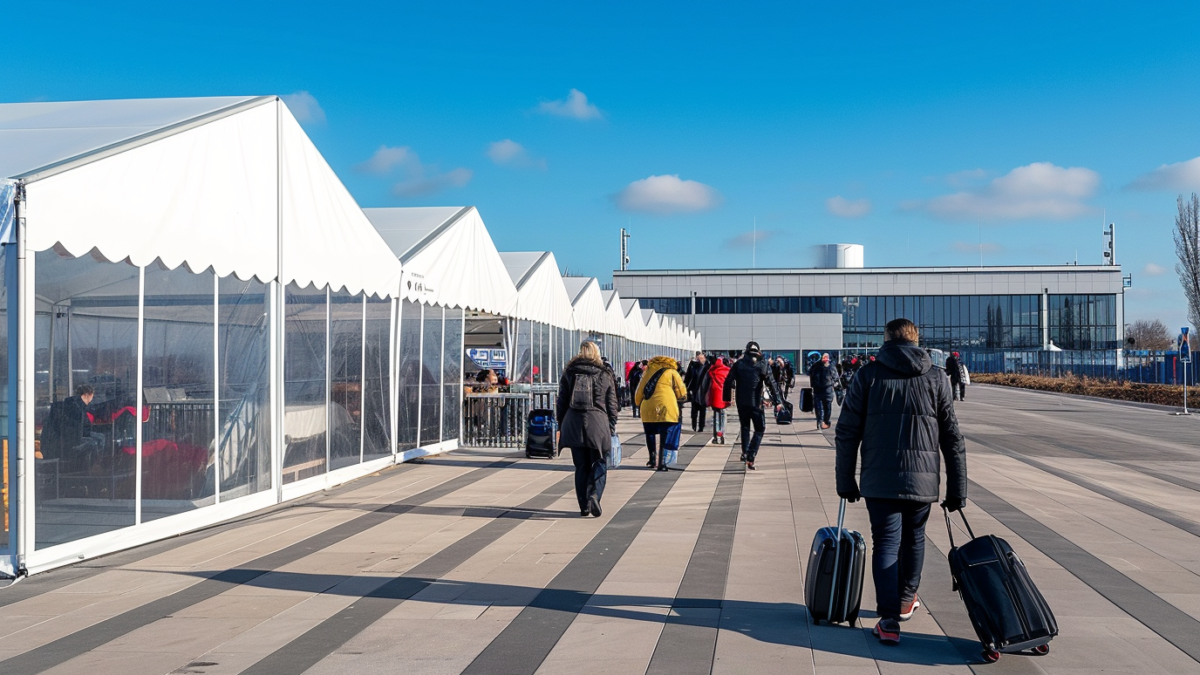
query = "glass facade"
{"x": 945, "y": 321}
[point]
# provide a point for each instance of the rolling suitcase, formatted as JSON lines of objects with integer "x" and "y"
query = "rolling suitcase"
{"x": 784, "y": 415}
{"x": 806, "y": 399}
{"x": 540, "y": 427}
{"x": 836, "y": 564}
{"x": 1006, "y": 608}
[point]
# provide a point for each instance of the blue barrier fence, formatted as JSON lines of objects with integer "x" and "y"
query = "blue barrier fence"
{"x": 1133, "y": 366}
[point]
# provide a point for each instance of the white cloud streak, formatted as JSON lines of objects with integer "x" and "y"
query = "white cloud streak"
{"x": 665, "y": 195}
{"x": 847, "y": 208}
{"x": 419, "y": 179}
{"x": 1035, "y": 191}
{"x": 574, "y": 106}
{"x": 1153, "y": 270}
{"x": 384, "y": 160}
{"x": 511, "y": 153}
{"x": 428, "y": 184}
{"x": 1177, "y": 176}
{"x": 304, "y": 107}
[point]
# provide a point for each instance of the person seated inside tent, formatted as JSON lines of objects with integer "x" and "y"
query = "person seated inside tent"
{"x": 67, "y": 434}
{"x": 486, "y": 382}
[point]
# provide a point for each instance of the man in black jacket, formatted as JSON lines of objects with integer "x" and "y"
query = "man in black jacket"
{"x": 822, "y": 378}
{"x": 692, "y": 380}
{"x": 67, "y": 433}
{"x": 749, "y": 375}
{"x": 958, "y": 389}
{"x": 899, "y": 416}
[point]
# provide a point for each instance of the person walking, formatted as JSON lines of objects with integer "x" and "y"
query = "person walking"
{"x": 748, "y": 376}
{"x": 954, "y": 368}
{"x": 823, "y": 379}
{"x": 692, "y": 380}
{"x": 635, "y": 377}
{"x": 714, "y": 395}
{"x": 789, "y": 377}
{"x": 587, "y": 419}
{"x": 899, "y": 417}
{"x": 658, "y": 398}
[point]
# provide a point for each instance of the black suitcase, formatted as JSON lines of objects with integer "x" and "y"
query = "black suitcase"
{"x": 540, "y": 429}
{"x": 834, "y": 581}
{"x": 784, "y": 414}
{"x": 806, "y": 399}
{"x": 1006, "y": 608}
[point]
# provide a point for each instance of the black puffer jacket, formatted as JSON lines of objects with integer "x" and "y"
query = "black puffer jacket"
{"x": 749, "y": 375}
{"x": 591, "y": 428}
{"x": 899, "y": 411}
{"x": 822, "y": 379}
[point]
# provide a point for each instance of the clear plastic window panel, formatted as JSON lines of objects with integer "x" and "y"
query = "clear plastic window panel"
{"x": 376, "y": 403}
{"x": 85, "y": 334}
{"x": 431, "y": 377}
{"x": 452, "y": 374}
{"x": 409, "y": 386}
{"x": 305, "y": 413}
{"x": 345, "y": 374}
{"x": 244, "y": 377}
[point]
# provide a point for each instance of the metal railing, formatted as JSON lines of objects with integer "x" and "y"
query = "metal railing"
{"x": 495, "y": 420}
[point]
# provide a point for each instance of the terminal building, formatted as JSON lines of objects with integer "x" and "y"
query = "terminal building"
{"x": 998, "y": 317}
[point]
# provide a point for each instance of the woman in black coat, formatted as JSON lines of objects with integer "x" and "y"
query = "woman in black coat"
{"x": 587, "y": 419}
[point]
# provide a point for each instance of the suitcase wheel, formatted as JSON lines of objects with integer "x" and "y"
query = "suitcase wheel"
{"x": 991, "y": 655}
{"x": 1041, "y": 650}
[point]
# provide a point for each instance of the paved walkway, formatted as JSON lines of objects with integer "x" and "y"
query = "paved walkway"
{"x": 477, "y": 562}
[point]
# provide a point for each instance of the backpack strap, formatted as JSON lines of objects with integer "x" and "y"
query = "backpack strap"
{"x": 652, "y": 383}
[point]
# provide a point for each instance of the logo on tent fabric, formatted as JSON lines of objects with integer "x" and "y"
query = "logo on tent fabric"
{"x": 417, "y": 284}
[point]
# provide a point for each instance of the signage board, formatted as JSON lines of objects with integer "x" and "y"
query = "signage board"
{"x": 1185, "y": 347}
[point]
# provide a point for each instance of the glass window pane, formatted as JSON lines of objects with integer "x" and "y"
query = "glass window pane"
{"x": 84, "y": 480}
{"x": 431, "y": 377}
{"x": 452, "y": 375}
{"x": 345, "y": 371}
{"x": 305, "y": 417}
{"x": 377, "y": 380}
{"x": 409, "y": 386}
{"x": 244, "y": 374}
{"x": 523, "y": 362}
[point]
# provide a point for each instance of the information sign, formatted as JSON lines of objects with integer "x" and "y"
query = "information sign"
{"x": 1185, "y": 347}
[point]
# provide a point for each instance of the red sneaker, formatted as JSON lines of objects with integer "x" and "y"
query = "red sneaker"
{"x": 908, "y": 608}
{"x": 888, "y": 631}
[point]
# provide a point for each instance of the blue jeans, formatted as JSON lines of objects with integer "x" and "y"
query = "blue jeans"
{"x": 823, "y": 407}
{"x": 898, "y": 539}
{"x": 656, "y": 438}
{"x": 591, "y": 472}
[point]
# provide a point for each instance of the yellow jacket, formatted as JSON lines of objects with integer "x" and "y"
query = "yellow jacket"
{"x": 663, "y": 404}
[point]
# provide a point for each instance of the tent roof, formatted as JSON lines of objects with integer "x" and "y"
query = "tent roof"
{"x": 576, "y": 285}
{"x": 587, "y": 302}
{"x": 541, "y": 294}
{"x": 34, "y": 136}
{"x": 215, "y": 182}
{"x": 448, "y": 257}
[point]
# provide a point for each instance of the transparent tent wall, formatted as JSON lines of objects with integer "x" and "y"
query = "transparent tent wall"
{"x": 244, "y": 377}
{"x": 305, "y": 390}
{"x": 409, "y": 386}
{"x": 377, "y": 379}
{"x": 7, "y": 452}
{"x": 452, "y": 384}
{"x": 345, "y": 379}
{"x": 431, "y": 376}
{"x": 523, "y": 361}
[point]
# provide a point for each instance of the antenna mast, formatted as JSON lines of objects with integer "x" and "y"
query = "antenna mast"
{"x": 624, "y": 249}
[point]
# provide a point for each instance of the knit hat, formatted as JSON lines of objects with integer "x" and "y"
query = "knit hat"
{"x": 753, "y": 348}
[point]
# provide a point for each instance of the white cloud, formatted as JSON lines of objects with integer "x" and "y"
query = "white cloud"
{"x": 419, "y": 179}
{"x": 1040, "y": 190}
{"x": 748, "y": 239}
{"x": 428, "y": 184}
{"x": 847, "y": 208}
{"x": 1152, "y": 270}
{"x": 665, "y": 195}
{"x": 575, "y": 106}
{"x": 384, "y": 159}
{"x": 1177, "y": 176}
{"x": 304, "y": 107}
{"x": 511, "y": 153}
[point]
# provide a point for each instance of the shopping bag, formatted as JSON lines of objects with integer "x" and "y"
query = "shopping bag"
{"x": 673, "y": 434}
{"x": 670, "y": 457}
{"x": 614, "y": 455}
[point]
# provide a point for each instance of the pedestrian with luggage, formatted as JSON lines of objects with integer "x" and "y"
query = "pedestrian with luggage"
{"x": 749, "y": 376}
{"x": 714, "y": 393}
{"x": 692, "y": 380}
{"x": 823, "y": 380}
{"x": 955, "y": 368}
{"x": 899, "y": 416}
{"x": 658, "y": 398}
{"x": 586, "y": 411}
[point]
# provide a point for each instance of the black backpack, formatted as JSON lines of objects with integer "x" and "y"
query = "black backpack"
{"x": 583, "y": 393}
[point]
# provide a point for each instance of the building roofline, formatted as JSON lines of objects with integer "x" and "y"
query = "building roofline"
{"x": 1000, "y": 269}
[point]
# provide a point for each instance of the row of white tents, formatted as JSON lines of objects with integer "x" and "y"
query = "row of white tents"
{"x": 249, "y": 332}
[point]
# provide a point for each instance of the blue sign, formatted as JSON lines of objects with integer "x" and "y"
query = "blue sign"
{"x": 489, "y": 358}
{"x": 1185, "y": 347}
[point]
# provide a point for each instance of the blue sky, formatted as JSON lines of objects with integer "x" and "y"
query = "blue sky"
{"x": 919, "y": 130}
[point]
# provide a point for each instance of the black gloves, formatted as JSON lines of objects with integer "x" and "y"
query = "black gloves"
{"x": 953, "y": 504}
{"x": 852, "y": 496}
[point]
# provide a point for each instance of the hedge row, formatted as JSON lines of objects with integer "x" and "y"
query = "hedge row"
{"x": 1162, "y": 394}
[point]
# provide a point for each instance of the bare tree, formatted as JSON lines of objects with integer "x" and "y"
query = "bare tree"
{"x": 1150, "y": 335}
{"x": 1187, "y": 247}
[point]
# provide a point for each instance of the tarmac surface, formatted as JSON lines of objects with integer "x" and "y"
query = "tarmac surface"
{"x": 478, "y": 562}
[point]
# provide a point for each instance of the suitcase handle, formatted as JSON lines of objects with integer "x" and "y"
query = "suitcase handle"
{"x": 963, "y": 515}
{"x": 837, "y": 555}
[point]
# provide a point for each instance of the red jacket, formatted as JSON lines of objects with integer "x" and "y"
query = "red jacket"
{"x": 716, "y": 387}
